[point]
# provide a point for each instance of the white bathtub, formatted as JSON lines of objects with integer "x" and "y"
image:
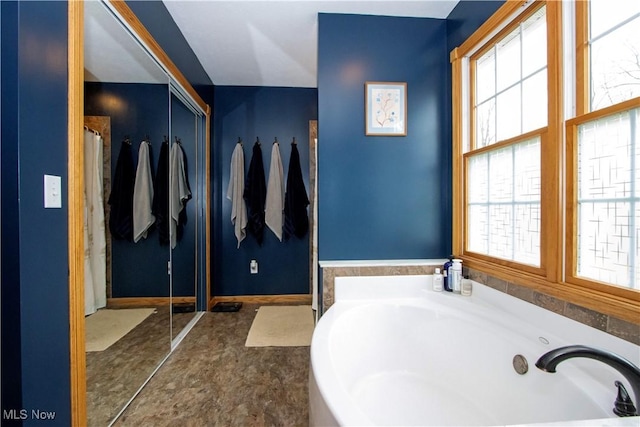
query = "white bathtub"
{"x": 392, "y": 352}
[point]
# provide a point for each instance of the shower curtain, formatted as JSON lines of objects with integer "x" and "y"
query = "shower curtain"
{"x": 95, "y": 263}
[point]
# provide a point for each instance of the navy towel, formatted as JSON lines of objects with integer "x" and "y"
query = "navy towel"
{"x": 160, "y": 207}
{"x": 255, "y": 194}
{"x": 296, "y": 221}
{"x": 121, "y": 197}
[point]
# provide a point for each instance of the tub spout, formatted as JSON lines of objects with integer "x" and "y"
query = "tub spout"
{"x": 631, "y": 372}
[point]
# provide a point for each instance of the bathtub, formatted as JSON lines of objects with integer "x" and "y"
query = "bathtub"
{"x": 392, "y": 352}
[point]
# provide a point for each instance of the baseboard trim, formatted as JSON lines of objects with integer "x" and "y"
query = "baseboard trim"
{"x": 263, "y": 299}
{"x": 147, "y": 301}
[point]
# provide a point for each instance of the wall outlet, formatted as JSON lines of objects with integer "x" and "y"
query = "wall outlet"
{"x": 253, "y": 266}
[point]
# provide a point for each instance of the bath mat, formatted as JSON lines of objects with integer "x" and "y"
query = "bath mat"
{"x": 281, "y": 326}
{"x": 105, "y": 327}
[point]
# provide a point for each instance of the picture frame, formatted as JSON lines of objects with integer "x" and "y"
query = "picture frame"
{"x": 385, "y": 108}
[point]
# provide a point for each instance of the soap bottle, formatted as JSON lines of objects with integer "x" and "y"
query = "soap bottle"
{"x": 445, "y": 272}
{"x": 437, "y": 280}
{"x": 455, "y": 276}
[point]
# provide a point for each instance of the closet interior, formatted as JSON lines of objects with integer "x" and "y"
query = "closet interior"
{"x": 145, "y": 205}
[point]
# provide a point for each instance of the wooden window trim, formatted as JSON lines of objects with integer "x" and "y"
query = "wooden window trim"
{"x": 550, "y": 200}
{"x": 571, "y": 205}
{"x": 606, "y": 299}
{"x": 583, "y": 115}
{"x": 491, "y": 26}
{"x": 582, "y": 57}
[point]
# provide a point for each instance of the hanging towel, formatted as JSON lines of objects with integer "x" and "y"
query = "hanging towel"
{"x": 275, "y": 193}
{"x": 234, "y": 193}
{"x": 143, "y": 218}
{"x": 160, "y": 207}
{"x": 180, "y": 193}
{"x": 98, "y": 240}
{"x": 95, "y": 239}
{"x": 255, "y": 194}
{"x": 121, "y": 198}
{"x": 296, "y": 221}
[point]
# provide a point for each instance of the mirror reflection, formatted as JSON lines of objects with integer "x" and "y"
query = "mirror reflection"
{"x": 127, "y": 286}
{"x": 184, "y": 168}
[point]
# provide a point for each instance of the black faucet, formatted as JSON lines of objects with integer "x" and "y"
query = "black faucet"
{"x": 631, "y": 372}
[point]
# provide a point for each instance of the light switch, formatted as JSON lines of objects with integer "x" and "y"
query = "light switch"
{"x": 52, "y": 191}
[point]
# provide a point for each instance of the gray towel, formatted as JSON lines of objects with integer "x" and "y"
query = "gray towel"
{"x": 179, "y": 190}
{"x": 235, "y": 192}
{"x": 275, "y": 193}
{"x": 143, "y": 194}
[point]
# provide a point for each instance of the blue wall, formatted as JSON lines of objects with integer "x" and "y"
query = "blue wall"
{"x": 250, "y": 112}
{"x": 10, "y": 293}
{"x": 136, "y": 110}
{"x": 466, "y": 17}
{"x": 34, "y": 55}
{"x": 383, "y": 197}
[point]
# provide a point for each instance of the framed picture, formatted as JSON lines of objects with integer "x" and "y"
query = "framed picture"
{"x": 385, "y": 109}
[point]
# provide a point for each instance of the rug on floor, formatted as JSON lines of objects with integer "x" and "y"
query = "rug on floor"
{"x": 105, "y": 327}
{"x": 281, "y": 326}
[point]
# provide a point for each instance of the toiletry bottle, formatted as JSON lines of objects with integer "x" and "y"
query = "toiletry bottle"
{"x": 437, "y": 280}
{"x": 466, "y": 287}
{"x": 455, "y": 276}
{"x": 445, "y": 273}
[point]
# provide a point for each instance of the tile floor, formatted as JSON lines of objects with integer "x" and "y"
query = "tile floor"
{"x": 212, "y": 379}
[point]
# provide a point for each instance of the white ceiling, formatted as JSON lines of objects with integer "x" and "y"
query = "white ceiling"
{"x": 273, "y": 43}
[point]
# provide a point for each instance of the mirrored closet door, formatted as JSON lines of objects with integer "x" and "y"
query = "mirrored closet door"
{"x": 144, "y": 209}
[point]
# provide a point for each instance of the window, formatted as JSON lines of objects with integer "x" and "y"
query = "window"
{"x": 503, "y": 181}
{"x": 511, "y": 83}
{"x": 614, "y": 52}
{"x": 541, "y": 199}
{"x": 604, "y": 239}
{"x": 608, "y": 199}
{"x": 504, "y": 202}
